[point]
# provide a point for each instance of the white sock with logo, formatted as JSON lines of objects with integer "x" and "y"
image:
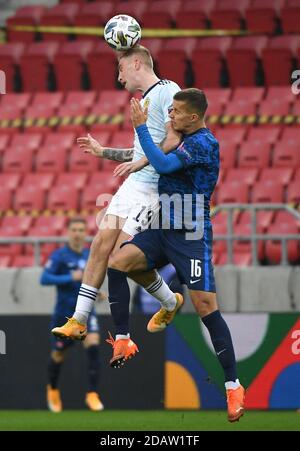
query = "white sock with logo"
{"x": 231, "y": 385}
{"x": 85, "y": 302}
{"x": 160, "y": 290}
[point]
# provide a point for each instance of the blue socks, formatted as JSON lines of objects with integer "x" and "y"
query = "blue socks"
{"x": 119, "y": 297}
{"x": 221, "y": 340}
{"x": 93, "y": 366}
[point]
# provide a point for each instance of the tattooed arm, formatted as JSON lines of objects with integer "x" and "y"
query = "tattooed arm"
{"x": 92, "y": 146}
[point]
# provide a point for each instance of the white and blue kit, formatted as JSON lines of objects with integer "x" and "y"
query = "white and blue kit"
{"x": 138, "y": 194}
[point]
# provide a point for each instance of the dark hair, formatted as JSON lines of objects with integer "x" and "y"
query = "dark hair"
{"x": 75, "y": 220}
{"x": 139, "y": 50}
{"x": 195, "y": 98}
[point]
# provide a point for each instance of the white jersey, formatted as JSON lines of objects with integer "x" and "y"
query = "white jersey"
{"x": 159, "y": 99}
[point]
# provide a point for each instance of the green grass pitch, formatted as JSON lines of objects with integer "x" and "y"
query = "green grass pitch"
{"x": 80, "y": 420}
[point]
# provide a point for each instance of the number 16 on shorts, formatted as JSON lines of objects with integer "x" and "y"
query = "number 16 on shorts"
{"x": 195, "y": 268}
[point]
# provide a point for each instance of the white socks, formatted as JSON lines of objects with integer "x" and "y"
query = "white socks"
{"x": 232, "y": 385}
{"x": 160, "y": 290}
{"x": 122, "y": 337}
{"x": 85, "y": 302}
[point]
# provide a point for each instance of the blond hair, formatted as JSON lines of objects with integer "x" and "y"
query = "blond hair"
{"x": 140, "y": 51}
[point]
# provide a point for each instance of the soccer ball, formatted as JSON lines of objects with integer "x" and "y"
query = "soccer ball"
{"x": 122, "y": 32}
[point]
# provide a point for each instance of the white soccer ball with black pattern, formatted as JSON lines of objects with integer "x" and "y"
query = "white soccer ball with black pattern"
{"x": 122, "y": 32}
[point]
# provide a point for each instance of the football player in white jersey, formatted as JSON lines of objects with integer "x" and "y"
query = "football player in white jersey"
{"x": 133, "y": 205}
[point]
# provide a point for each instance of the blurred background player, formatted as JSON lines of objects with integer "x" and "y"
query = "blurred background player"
{"x": 64, "y": 269}
{"x": 132, "y": 206}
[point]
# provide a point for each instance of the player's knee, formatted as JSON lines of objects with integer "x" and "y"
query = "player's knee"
{"x": 204, "y": 304}
{"x": 58, "y": 356}
{"x": 115, "y": 262}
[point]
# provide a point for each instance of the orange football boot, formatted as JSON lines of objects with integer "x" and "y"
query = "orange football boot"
{"x": 93, "y": 401}
{"x": 53, "y": 399}
{"x": 163, "y": 317}
{"x": 235, "y": 403}
{"x": 72, "y": 329}
{"x": 124, "y": 349}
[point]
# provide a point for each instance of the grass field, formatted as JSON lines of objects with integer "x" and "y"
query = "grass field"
{"x": 21, "y": 420}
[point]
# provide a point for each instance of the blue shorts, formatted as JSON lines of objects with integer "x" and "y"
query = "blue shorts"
{"x": 191, "y": 258}
{"x": 60, "y": 344}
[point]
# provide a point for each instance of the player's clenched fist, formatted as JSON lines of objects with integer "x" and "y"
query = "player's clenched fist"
{"x": 138, "y": 115}
{"x": 90, "y": 145}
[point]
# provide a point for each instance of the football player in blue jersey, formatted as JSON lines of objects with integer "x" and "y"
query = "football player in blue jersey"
{"x": 64, "y": 269}
{"x": 183, "y": 237}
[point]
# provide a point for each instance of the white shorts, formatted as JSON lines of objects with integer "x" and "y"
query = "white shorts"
{"x": 138, "y": 203}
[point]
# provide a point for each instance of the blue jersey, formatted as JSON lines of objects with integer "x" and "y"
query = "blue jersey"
{"x": 57, "y": 272}
{"x": 199, "y": 153}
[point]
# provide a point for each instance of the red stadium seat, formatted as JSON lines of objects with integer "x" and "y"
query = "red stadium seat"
{"x": 264, "y": 134}
{"x": 281, "y": 175}
{"x": 160, "y": 14}
{"x": 28, "y": 141}
{"x": 263, "y": 218}
{"x": 102, "y": 137}
{"x": 63, "y": 198}
{"x": 82, "y": 162}
{"x": 280, "y": 53}
{"x": 194, "y": 14}
{"x": 35, "y": 65}
{"x": 131, "y": 8}
{"x": 228, "y": 154}
{"x": 296, "y": 107}
{"x": 242, "y": 60}
{"x": 56, "y": 223}
{"x": 5, "y": 261}
{"x": 93, "y": 15}
{"x": 77, "y": 103}
{"x": 68, "y": 64}
{"x": 122, "y": 139}
{"x": 22, "y": 223}
{"x": 172, "y": 59}
{"x": 231, "y": 135}
{"x": 268, "y": 192}
{"x": 61, "y": 15}
{"x": 51, "y": 160}
{"x": 244, "y": 101}
{"x": 232, "y": 192}
{"x": 106, "y": 186}
{"x": 10, "y": 56}
{"x": 254, "y": 154}
{"x": 286, "y": 154}
{"x": 18, "y": 160}
{"x": 293, "y": 192}
{"x": 208, "y": 59}
{"x": 228, "y": 14}
{"x": 119, "y": 99}
{"x": 28, "y": 198}
{"x": 246, "y": 175}
{"x": 44, "y": 230}
{"x": 282, "y": 217}
{"x": 242, "y": 246}
{"x": 39, "y": 181}
{"x": 10, "y": 181}
{"x": 278, "y": 101}
{"x": 102, "y": 67}
{"x": 4, "y": 142}
{"x": 290, "y": 16}
{"x": 63, "y": 140}
{"x": 220, "y": 227}
{"x": 11, "y": 230}
{"x": 263, "y": 16}
{"x": 23, "y": 261}
{"x": 44, "y": 106}
{"x": 217, "y": 99}
{"x": 6, "y": 199}
{"x": 239, "y": 259}
{"x": 77, "y": 180}
{"x": 12, "y": 105}
{"x": 27, "y": 15}
{"x": 273, "y": 247}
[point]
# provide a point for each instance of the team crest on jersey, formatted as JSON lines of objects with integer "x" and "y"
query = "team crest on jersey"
{"x": 146, "y": 103}
{"x": 182, "y": 149}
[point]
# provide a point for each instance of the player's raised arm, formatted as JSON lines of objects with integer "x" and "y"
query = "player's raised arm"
{"x": 92, "y": 146}
{"x": 161, "y": 162}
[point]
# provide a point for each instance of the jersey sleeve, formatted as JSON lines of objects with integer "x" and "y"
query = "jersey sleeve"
{"x": 53, "y": 263}
{"x": 193, "y": 152}
{"x": 166, "y": 99}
